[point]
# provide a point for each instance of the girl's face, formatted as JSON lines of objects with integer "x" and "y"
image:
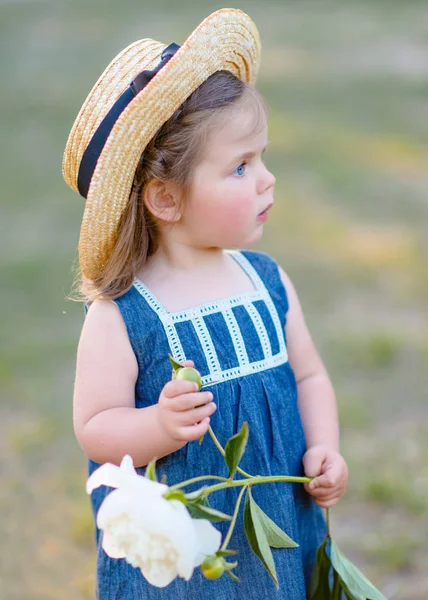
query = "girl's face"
{"x": 231, "y": 190}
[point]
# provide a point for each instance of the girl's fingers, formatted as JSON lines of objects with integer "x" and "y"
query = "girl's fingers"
{"x": 329, "y": 479}
{"x": 315, "y": 488}
{"x": 194, "y": 432}
{"x": 188, "y": 363}
{"x": 189, "y": 417}
{"x": 317, "y": 493}
{"x": 327, "y": 503}
{"x": 330, "y": 485}
{"x": 187, "y": 402}
{"x": 323, "y": 494}
{"x": 177, "y": 387}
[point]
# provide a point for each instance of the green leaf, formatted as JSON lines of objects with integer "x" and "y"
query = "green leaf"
{"x": 175, "y": 365}
{"x": 150, "y": 471}
{"x": 356, "y": 585}
{"x": 235, "y": 449}
{"x": 256, "y": 536}
{"x": 231, "y": 566}
{"x": 200, "y": 511}
{"x": 233, "y": 576}
{"x": 320, "y": 588}
{"x": 336, "y": 593}
{"x": 276, "y": 537}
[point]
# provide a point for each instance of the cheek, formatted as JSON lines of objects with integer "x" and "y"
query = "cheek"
{"x": 230, "y": 212}
{"x": 221, "y": 209}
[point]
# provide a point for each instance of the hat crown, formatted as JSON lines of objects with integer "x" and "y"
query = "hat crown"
{"x": 139, "y": 56}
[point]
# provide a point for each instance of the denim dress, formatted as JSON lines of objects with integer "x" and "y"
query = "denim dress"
{"x": 239, "y": 346}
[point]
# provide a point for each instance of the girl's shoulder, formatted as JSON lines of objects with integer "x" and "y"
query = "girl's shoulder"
{"x": 104, "y": 334}
{"x": 102, "y": 318}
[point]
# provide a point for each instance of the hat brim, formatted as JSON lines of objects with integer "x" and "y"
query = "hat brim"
{"x": 226, "y": 40}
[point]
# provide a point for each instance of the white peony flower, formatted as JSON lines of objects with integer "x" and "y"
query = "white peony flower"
{"x": 157, "y": 535}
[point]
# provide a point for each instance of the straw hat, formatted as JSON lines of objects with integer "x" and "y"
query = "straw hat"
{"x": 137, "y": 93}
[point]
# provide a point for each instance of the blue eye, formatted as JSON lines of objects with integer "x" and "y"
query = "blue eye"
{"x": 239, "y": 171}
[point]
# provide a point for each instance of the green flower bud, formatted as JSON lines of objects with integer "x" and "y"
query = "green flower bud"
{"x": 213, "y": 567}
{"x": 189, "y": 374}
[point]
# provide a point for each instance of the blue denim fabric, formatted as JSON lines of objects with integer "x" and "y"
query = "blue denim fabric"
{"x": 267, "y": 400}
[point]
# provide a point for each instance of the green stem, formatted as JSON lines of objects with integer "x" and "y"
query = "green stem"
{"x": 233, "y": 483}
{"x": 328, "y": 522}
{"x": 232, "y": 523}
{"x": 221, "y": 450}
{"x": 177, "y": 486}
{"x": 254, "y": 481}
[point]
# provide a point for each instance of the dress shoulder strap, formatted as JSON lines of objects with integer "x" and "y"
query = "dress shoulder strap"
{"x": 267, "y": 269}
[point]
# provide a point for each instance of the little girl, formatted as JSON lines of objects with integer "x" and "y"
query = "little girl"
{"x": 167, "y": 149}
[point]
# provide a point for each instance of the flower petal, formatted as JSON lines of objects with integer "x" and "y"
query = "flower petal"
{"x": 208, "y": 539}
{"x": 183, "y": 538}
{"x": 117, "y": 504}
{"x": 127, "y": 465}
{"x": 157, "y": 574}
{"x": 107, "y": 474}
{"x": 111, "y": 547}
{"x": 142, "y": 485}
{"x": 124, "y": 476}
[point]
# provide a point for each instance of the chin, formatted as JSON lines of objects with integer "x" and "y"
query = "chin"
{"x": 244, "y": 243}
{"x": 244, "y": 240}
{"x": 257, "y": 235}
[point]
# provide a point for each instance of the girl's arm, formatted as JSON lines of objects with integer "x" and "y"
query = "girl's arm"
{"x": 317, "y": 407}
{"x": 106, "y": 423}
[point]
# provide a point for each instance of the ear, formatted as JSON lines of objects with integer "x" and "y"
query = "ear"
{"x": 162, "y": 200}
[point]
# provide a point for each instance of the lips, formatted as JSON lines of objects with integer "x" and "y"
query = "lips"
{"x": 263, "y": 215}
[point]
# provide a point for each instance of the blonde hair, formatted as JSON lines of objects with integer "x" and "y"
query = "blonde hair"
{"x": 171, "y": 155}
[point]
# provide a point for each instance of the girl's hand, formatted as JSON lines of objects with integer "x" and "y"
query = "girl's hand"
{"x": 330, "y": 474}
{"x": 184, "y": 411}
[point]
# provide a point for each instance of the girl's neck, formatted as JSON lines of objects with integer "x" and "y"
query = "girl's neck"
{"x": 188, "y": 279}
{"x": 187, "y": 260}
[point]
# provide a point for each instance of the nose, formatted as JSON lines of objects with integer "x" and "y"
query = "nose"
{"x": 267, "y": 180}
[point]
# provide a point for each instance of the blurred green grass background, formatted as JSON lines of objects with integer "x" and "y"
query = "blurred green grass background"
{"x": 346, "y": 84}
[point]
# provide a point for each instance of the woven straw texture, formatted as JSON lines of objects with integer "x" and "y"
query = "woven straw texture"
{"x": 226, "y": 40}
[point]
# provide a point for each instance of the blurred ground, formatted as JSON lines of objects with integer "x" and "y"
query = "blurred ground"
{"x": 347, "y": 87}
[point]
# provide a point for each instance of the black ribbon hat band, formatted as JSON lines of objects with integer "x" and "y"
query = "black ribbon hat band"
{"x": 97, "y": 143}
